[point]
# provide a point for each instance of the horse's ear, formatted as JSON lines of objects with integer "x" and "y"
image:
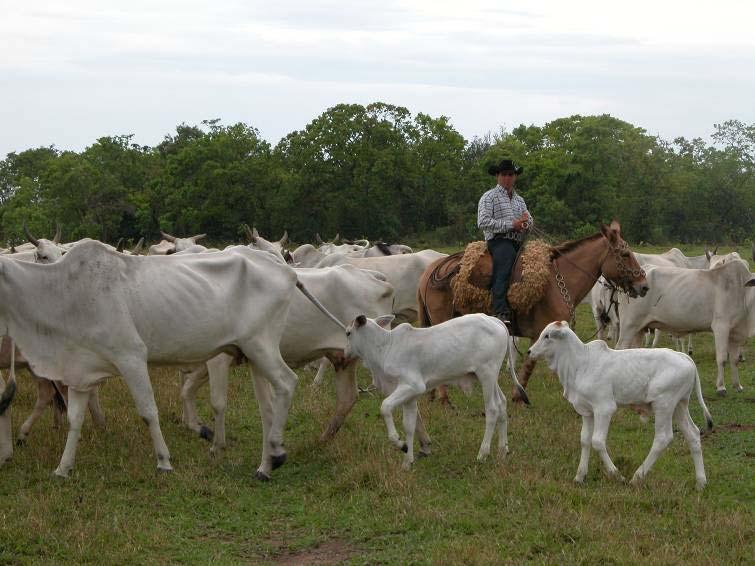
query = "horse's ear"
{"x": 615, "y": 225}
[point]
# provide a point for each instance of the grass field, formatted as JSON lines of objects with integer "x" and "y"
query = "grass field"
{"x": 349, "y": 501}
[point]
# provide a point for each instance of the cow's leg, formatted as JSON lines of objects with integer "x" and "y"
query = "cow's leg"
{"x": 218, "y": 368}
{"x": 346, "y": 396}
{"x": 77, "y": 406}
{"x": 602, "y": 420}
{"x": 424, "y": 438}
{"x": 656, "y": 338}
{"x": 689, "y": 344}
{"x": 410, "y": 424}
{"x": 402, "y": 394}
{"x": 664, "y": 434}
{"x": 692, "y": 436}
{"x": 264, "y": 395}
{"x": 721, "y": 340}
{"x": 322, "y": 369}
{"x": 733, "y": 354}
{"x": 266, "y": 361}
{"x": 503, "y": 424}
{"x": 45, "y": 396}
{"x": 524, "y": 377}
{"x": 136, "y": 376}
{"x": 490, "y": 396}
{"x": 95, "y": 409}
{"x": 6, "y": 434}
{"x": 585, "y": 440}
{"x": 191, "y": 381}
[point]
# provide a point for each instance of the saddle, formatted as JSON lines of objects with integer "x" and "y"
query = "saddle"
{"x": 469, "y": 274}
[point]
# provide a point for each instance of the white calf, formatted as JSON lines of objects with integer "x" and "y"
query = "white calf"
{"x": 597, "y": 379}
{"x": 406, "y": 362}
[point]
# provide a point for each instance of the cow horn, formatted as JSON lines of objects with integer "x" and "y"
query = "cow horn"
{"x": 318, "y": 239}
{"x": 138, "y": 247}
{"x": 284, "y": 238}
{"x": 249, "y": 233}
{"x": 29, "y": 237}
{"x": 119, "y": 245}
{"x": 753, "y": 251}
{"x": 168, "y": 237}
{"x": 197, "y": 237}
{"x": 338, "y": 237}
{"x": 58, "y": 233}
{"x": 707, "y": 254}
{"x": 715, "y": 250}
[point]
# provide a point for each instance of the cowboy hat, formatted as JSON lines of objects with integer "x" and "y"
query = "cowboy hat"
{"x": 505, "y": 165}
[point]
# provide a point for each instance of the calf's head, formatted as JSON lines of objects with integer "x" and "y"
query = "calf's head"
{"x": 363, "y": 331}
{"x": 547, "y": 343}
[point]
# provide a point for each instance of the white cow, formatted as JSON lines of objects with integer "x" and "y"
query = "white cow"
{"x": 406, "y": 362}
{"x": 306, "y": 255}
{"x": 171, "y": 244}
{"x": 253, "y": 235}
{"x": 402, "y": 271}
{"x": 597, "y": 380}
{"x": 674, "y": 258}
{"x": 695, "y": 300}
{"x": 120, "y": 313}
{"x": 345, "y": 291}
{"x": 380, "y": 249}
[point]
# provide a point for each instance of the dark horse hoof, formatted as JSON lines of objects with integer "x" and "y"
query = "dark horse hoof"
{"x": 261, "y": 476}
{"x": 206, "y": 433}
{"x": 278, "y": 461}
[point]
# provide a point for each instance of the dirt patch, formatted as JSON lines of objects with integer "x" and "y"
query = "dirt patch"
{"x": 333, "y": 551}
{"x": 733, "y": 427}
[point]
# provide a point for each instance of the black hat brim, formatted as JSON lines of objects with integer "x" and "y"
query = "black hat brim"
{"x": 495, "y": 169}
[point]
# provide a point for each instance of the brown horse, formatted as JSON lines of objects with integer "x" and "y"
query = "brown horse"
{"x": 580, "y": 262}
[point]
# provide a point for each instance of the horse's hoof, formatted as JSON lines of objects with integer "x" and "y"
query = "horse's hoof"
{"x": 261, "y": 476}
{"x": 278, "y": 461}
{"x": 206, "y": 433}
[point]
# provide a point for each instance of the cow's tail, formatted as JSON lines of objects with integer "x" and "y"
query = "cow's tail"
{"x": 320, "y": 306}
{"x": 698, "y": 389}
{"x": 424, "y": 315}
{"x": 10, "y": 388}
{"x": 512, "y": 370}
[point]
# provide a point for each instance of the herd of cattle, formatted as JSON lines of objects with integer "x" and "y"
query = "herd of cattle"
{"x": 76, "y": 313}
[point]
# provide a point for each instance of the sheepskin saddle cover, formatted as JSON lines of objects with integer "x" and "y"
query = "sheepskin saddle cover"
{"x": 471, "y": 285}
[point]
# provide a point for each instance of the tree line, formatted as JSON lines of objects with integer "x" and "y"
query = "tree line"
{"x": 381, "y": 172}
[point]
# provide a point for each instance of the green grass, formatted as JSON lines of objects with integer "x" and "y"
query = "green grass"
{"x": 348, "y": 500}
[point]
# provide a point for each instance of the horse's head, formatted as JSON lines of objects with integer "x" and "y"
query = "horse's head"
{"x": 620, "y": 266}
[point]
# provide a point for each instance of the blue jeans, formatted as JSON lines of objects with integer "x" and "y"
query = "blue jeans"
{"x": 504, "y": 254}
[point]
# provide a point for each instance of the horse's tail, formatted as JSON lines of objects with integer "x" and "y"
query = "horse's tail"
{"x": 424, "y": 314}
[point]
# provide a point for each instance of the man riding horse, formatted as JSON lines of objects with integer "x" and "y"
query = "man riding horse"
{"x": 503, "y": 217}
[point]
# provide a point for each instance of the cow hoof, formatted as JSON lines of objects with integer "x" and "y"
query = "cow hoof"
{"x": 20, "y": 441}
{"x": 740, "y": 389}
{"x": 164, "y": 470}
{"x": 206, "y": 433}
{"x": 278, "y": 461}
{"x": 58, "y": 473}
{"x": 421, "y": 454}
{"x": 261, "y": 476}
{"x": 405, "y": 448}
{"x": 721, "y": 392}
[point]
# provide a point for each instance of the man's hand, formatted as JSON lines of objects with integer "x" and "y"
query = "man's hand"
{"x": 517, "y": 225}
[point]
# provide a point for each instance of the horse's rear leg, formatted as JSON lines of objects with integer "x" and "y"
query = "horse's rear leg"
{"x": 524, "y": 377}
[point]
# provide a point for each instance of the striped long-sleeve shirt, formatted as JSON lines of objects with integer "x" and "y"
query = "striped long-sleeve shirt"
{"x": 496, "y": 213}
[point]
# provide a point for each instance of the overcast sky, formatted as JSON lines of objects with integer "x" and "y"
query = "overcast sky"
{"x": 76, "y": 70}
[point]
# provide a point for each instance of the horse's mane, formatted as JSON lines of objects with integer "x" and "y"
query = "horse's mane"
{"x": 561, "y": 249}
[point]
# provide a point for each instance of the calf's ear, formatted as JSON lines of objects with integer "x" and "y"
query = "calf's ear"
{"x": 385, "y": 320}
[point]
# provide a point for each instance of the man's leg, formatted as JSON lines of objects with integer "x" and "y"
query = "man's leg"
{"x": 504, "y": 254}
